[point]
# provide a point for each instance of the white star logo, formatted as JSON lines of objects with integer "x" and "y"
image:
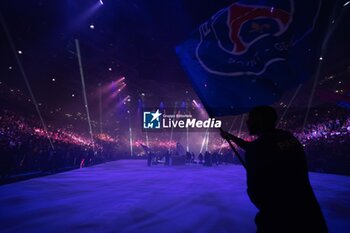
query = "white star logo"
{"x": 156, "y": 115}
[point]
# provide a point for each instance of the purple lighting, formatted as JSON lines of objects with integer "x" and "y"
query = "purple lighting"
{"x": 195, "y": 103}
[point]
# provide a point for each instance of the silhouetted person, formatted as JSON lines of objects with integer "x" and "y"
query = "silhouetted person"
{"x": 167, "y": 159}
{"x": 188, "y": 157}
{"x": 149, "y": 159}
{"x": 208, "y": 160}
{"x": 215, "y": 158}
{"x": 200, "y": 158}
{"x": 277, "y": 177}
{"x": 192, "y": 157}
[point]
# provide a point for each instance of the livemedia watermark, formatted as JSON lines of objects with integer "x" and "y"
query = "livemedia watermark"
{"x": 177, "y": 120}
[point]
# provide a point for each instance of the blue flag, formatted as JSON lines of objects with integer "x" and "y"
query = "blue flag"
{"x": 251, "y": 52}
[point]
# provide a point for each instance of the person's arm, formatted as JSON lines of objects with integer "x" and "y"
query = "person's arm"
{"x": 238, "y": 141}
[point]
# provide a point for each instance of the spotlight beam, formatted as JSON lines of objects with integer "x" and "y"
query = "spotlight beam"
{"x": 84, "y": 90}
{"x": 100, "y": 106}
{"x": 330, "y": 29}
{"x": 146, "y": 133}
{"x": 130, "y": 140}
{"x": 130, "y": 136}
{"x": 224, "y": 141}
{"x": 241, "y": 126}
{"x": 24, "y": 75}
{"x": 204, "y": 141}
{"x": 172, "y": 128}
{"x": 84, "y": 17}
{"x": 207, "y": 142}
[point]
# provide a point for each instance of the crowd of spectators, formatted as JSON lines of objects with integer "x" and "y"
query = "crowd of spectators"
{"x": 327, "y": 145}
{"x": 325, "y": 138}
{"x": 25, "y": 148}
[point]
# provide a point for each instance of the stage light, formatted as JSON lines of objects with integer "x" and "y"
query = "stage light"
{"x": 73, "y": 95}
{"x": 120, "y": 80}
{"x": 10, "y": 67}
{"x": 110, "y": 69}
{"x": 121, "y": 87}
{"x": 347, "y": 3}
{"x": 92, "y": 26}
{"x": 20, "y": 52}
{"x": 53, "y": 80}
{"x": 101, "y": 2}
{"x": 143, "y": 94}
{"x": 321, "y": 58}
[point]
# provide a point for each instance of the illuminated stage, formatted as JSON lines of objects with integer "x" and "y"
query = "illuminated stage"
{"x": 128, "y": 196}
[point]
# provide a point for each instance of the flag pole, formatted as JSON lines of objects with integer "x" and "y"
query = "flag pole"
{"x": 210, "y": 114}
{"x": 228, "y": 141}
{"x": 235, "y": 151}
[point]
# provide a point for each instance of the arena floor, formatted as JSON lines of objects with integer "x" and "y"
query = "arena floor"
{"x": 127, "y": 196}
